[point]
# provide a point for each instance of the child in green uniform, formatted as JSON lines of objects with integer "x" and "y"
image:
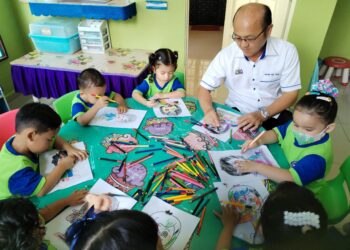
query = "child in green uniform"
{"x": 93, "y": 96}
{"x": 37, "y": 126}
{"x": 161, "y": 83}
{"x": 305, "y": 142}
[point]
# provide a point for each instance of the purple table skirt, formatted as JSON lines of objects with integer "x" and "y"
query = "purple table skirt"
{"x": 55, "y": 83}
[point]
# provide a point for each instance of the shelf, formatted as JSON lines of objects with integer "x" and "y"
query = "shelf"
{"x": 114, "y": 9}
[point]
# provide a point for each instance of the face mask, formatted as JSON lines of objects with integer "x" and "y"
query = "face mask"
{"x": 304, "y": 139}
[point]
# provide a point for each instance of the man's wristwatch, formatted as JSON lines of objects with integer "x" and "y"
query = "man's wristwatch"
{"x": 264, "y": 113}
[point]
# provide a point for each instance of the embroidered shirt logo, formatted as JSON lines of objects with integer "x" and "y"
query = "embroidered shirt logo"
{"x": 238, "y": 72}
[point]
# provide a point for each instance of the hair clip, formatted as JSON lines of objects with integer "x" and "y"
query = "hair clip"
{"x": 324, "y": 98}
{"x": 326, "y": 87}
{"x": 302, "y": 219}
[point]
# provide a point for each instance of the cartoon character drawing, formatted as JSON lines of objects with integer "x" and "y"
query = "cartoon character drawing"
{"x": 241, "y": 135}
{"x": 197, "y": 141}
{"x": 228, "y": 165}
{"x": 135, "y": 176}
{"x": 170, "y": 109}
{"x": 169, "y": 227}
{"x": 109, "y": 116}
{"x": 260, "y": 157}
{"x": 227, "y": 117}
{"x": 223, "y": 127}
{"x": 110, "y": 141}
{"x": 191, "y": 106}
{"x": 250, "y": 198}
{"x": 158, "y": 126}
{"x": 77, "y": 214}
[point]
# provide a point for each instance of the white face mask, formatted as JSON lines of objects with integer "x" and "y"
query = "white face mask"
{"x": 304, "y": 139}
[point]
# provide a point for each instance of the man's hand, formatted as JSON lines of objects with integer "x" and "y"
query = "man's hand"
{"x": 212, "y": 118}
{"x": 250, "y": 121}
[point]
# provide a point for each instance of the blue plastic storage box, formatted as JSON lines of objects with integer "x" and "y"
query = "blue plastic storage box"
{"x": 56, "y": 35}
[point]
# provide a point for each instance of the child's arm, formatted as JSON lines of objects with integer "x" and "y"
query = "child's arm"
{"x": 60, "y": 143}
{"x": 229, "y": 218}
{"x": 50, "y": 211}
{"x": 173, "y": 94}
{"x": 122, "y": 108}
{"x": 85, "y": 118}
{"x": 140, "y": 99}
{"x": 269, "y": 137}
{"x": 51, "y": 179}
{"x": 274, "y": 173}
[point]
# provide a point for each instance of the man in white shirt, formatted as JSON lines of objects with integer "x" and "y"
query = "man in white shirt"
{"x": 262, "y": 74}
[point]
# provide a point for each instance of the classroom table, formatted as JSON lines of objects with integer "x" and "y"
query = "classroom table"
{"x": 52, "y": 75}
{"x": 93, "y": 135}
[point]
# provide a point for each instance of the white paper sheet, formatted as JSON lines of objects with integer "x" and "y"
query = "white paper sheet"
{"x": 109, "y": 117}
{"x": 79, "y": 173}
{"x": 175, "y": 226}
{"x": 227, "y": 170}
{"x": 58, "y": 226}
{"x": 171, "y": 108}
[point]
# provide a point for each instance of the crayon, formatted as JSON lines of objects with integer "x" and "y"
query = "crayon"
{"x": 204, "y": 194}
{"x": 107, "y": 159}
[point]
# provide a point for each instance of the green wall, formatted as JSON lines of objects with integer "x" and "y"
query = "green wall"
{"x": 308, "y": 30}
{"x": 337, "y": 42}
{"x": 13, "y": 38}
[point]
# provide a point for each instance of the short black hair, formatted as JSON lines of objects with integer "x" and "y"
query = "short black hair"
{"x": 267, "y": 19}
{"x": 18, "y": 220}
{"x": 325, "y": 106}
{"x": 120, "y": 229}
{"x": 291, "y": 197}
{"x": 90, "y": 77}
{"x": 39, "y": 116}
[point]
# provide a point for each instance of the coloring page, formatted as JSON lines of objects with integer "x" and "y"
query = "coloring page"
{"x": 248, "y": 198}
{"x": 175, "y": 226}
{"x": 224, "y": 162}
{"x": 79, "y": 173}
{"x": 171, "y": 108}
{"x": 228, "y": 123}
{"x": 109, "y": 117}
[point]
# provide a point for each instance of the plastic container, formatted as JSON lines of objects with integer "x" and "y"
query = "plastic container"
{"x": 66, "y": 45}
{"x": 55, "y": 35}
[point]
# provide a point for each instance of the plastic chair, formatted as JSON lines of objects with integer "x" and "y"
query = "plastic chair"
{"x": 63, "y": 106}
{"x": 333, "y": 195}
{"x": 8, "y": 125}
{"x": 181, "y": 76}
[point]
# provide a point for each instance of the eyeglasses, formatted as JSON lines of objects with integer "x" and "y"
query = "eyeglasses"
{"x": 239, "y": 39}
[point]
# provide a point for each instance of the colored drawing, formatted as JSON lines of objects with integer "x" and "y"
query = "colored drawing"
{"x": 79, "y": 173}
{"x": 191, "y": 106}
{"x": 59, "y": 155}
{"x": 228, "y": 165}
{"x": 169, "y": 227}
{"x": 227, "y": 116}
{"x": 77, "y": 214}
{"x": 158, "y": 126}
{"x": 224, "y": 162}
{"x": 135, "y": 176}
{"x": 197, "y": 141}
{"x": 247, "y": 196}
{"x": 223, "y": 128}
{"x": 171, "y": 108}
{"x": 109, "y": 117}
{"x": 175, "y": 226}
{"x": 109, "y": 141}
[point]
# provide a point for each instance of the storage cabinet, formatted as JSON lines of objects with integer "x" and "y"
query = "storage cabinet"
{"x": 94, "y": 36}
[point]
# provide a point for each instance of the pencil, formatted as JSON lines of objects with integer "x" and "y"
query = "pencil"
{"x": 147, "y": 150}
{"x": 202, "y": 206}
{"x": 163, "y": 181}
{"x": 230, "y": 141}
{"x": 201, "y": 221}
{"x": 197, "y": 206}
{"x": 107, "y": 159}
{"x": 166, "y": 160}
{"x": 122, "y": 164}
{"x": 98, "y": 96}
{"x": 256, "y": 138}
{"x": 204, "y": 194}
{"x": 121, "y": 150}
{"x": 138, "y": 132}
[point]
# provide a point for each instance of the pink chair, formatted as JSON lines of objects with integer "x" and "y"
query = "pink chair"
{"x": 8, "y": 122}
